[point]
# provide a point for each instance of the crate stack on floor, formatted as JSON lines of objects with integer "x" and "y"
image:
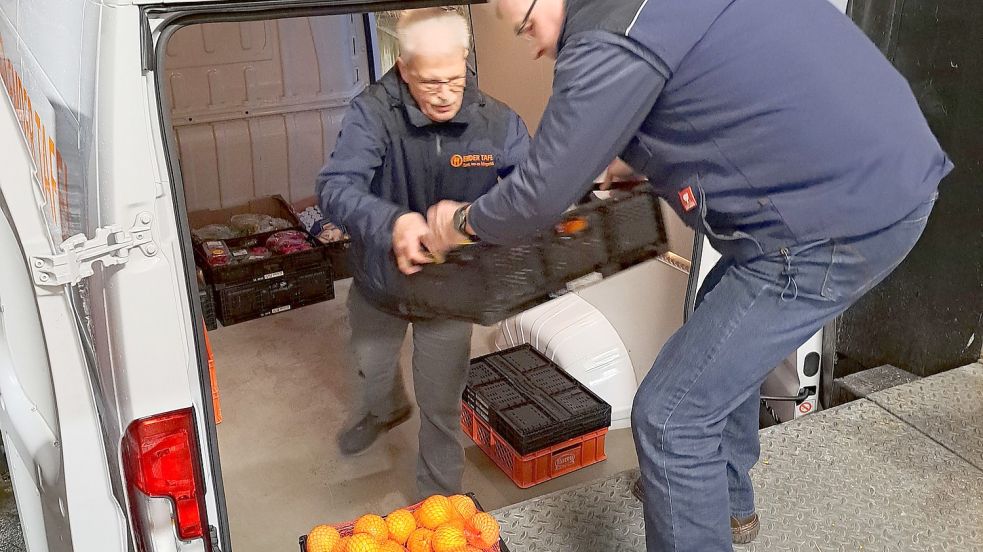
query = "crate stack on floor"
{"x": 535, "y": 421}
{"x": 258, "y": 259}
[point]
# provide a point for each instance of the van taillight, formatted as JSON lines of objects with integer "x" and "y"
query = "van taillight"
{"x": 161, "y": 459}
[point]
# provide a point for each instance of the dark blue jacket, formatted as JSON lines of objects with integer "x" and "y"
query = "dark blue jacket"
{"x": 391, "y": 159}
{"x": 762, "y": 122}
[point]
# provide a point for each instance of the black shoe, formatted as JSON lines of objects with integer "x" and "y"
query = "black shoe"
{"x": 360, "y": 437}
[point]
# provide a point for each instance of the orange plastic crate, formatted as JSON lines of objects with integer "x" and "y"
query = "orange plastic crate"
{"x": 216, "y": 402}
{"x": 536, "y": 467}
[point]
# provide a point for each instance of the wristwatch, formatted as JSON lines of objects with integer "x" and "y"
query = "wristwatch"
{"x": 461, "y": 222}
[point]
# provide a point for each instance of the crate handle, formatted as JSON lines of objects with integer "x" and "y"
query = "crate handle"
{"x": 567, "y": 448}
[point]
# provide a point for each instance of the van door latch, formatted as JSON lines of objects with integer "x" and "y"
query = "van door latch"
{"x": 110, "y": 246}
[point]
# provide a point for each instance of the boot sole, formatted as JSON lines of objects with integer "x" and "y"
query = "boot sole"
{"x": 746, "y": 533}
{"x": 400, "y": 419}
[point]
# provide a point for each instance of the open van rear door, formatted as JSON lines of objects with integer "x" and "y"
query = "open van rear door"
{"x": 48, "y": 415}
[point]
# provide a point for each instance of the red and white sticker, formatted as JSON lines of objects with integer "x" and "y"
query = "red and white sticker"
{"x": 687, "y": 198}
{"x": 805, "y": 407}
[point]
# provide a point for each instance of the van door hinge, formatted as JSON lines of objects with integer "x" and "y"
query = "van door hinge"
{"x": 110, "y": 246}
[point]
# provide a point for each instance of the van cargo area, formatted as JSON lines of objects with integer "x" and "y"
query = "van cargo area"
{"x": 254, "y": 109}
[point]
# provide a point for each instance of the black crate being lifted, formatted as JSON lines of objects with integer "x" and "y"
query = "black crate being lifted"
{"x": 485, "y": 283}
{"x": 478, "y": 283}
{"x": 530, "y": 401}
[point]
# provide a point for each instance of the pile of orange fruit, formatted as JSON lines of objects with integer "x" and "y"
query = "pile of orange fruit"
{"x": 440, "y": 524}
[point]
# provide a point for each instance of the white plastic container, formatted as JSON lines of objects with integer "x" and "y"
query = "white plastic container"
{"x": 578, "y": 338}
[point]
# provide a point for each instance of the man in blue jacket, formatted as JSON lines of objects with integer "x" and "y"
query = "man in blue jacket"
{"x": 780, "y": 131}
{"x": 421, "y": 134}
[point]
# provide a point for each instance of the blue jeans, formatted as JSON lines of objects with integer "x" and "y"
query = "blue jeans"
{"x": 695, "y": 415}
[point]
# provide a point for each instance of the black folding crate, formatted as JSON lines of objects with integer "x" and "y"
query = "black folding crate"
{"x": 486, "y": 283}
{"x": 240, "y": 302}
{"x": 206, "y": 297}
{"x": 532, "y": 403}
{"x": 341, "y": 259}
{"x": 574, "y": 246}
{"x": 206, "y": 300}
{"x": 257, "y": 270}
{"x": 478, "y": 283}
{"x": 633, "y": 225}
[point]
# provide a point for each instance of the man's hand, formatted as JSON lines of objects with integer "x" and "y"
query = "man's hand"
{"x": 616, "y": 171}
{"x": 409, "y": 232}
{"x": 443, "y": 234}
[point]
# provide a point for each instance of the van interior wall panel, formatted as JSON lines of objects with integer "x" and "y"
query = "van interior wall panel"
{"x": 521, "y": 82}
{"x": 257, "y": 106}
{"x": 927, "y": 317}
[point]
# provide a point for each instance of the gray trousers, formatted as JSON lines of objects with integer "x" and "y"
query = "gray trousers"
{"x": 441, "y": 354}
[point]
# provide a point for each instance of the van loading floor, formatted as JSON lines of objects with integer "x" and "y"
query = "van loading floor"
{"x": 901, "y": 470}
{"x": 284, "y": 386}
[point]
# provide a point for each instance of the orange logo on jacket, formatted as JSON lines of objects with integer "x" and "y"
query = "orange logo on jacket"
{"x": 472, "y": 160}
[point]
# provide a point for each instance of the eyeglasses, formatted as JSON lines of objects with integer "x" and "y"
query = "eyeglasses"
{"x": 454, "y": 85}
{"x": 522, "y": 28}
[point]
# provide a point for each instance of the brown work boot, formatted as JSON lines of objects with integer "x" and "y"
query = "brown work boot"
{"x": 744, "y": 530}
{"x": 637, "y": 490}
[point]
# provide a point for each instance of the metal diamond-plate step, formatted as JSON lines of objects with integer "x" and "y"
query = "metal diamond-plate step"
{"x": 856, "y": 477}
{"x": 851, "y": 478}
{"x": 595, "y": 517}
{"x": 948, "y": 407}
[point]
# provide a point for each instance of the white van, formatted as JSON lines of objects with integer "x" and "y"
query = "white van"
{"x": 112, "y": 129}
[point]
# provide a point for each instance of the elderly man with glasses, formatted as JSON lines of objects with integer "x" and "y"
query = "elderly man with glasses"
{"x": 777, "y": 129}
{"x": 421, "y": 134}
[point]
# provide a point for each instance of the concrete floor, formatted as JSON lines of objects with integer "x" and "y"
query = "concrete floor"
{"x": 284, "y": 385}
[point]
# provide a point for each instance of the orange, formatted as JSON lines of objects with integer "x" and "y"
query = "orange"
{"x": 434, "y": 512}
{"x": 449, "y": 538}
{"x": 391, "y": 546}
{"x": 400, "y": 523}
{"x": 342, "y": 545}
{"x": 470, "y": 548}
{"x": 464, "y": 506}
{"x": 371, "y": 524}
{"x": 322, "y": 538}
{"x": 419, "y": 540}
{"x": 363, "y": 542}
{"x": 457, "y": 521}
{"x": 482, "y": 530}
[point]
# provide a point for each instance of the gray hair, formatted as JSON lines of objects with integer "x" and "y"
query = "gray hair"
{"x": 440, "y": 30}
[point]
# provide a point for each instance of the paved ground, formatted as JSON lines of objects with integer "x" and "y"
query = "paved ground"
{"x": 901, "y": 470}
